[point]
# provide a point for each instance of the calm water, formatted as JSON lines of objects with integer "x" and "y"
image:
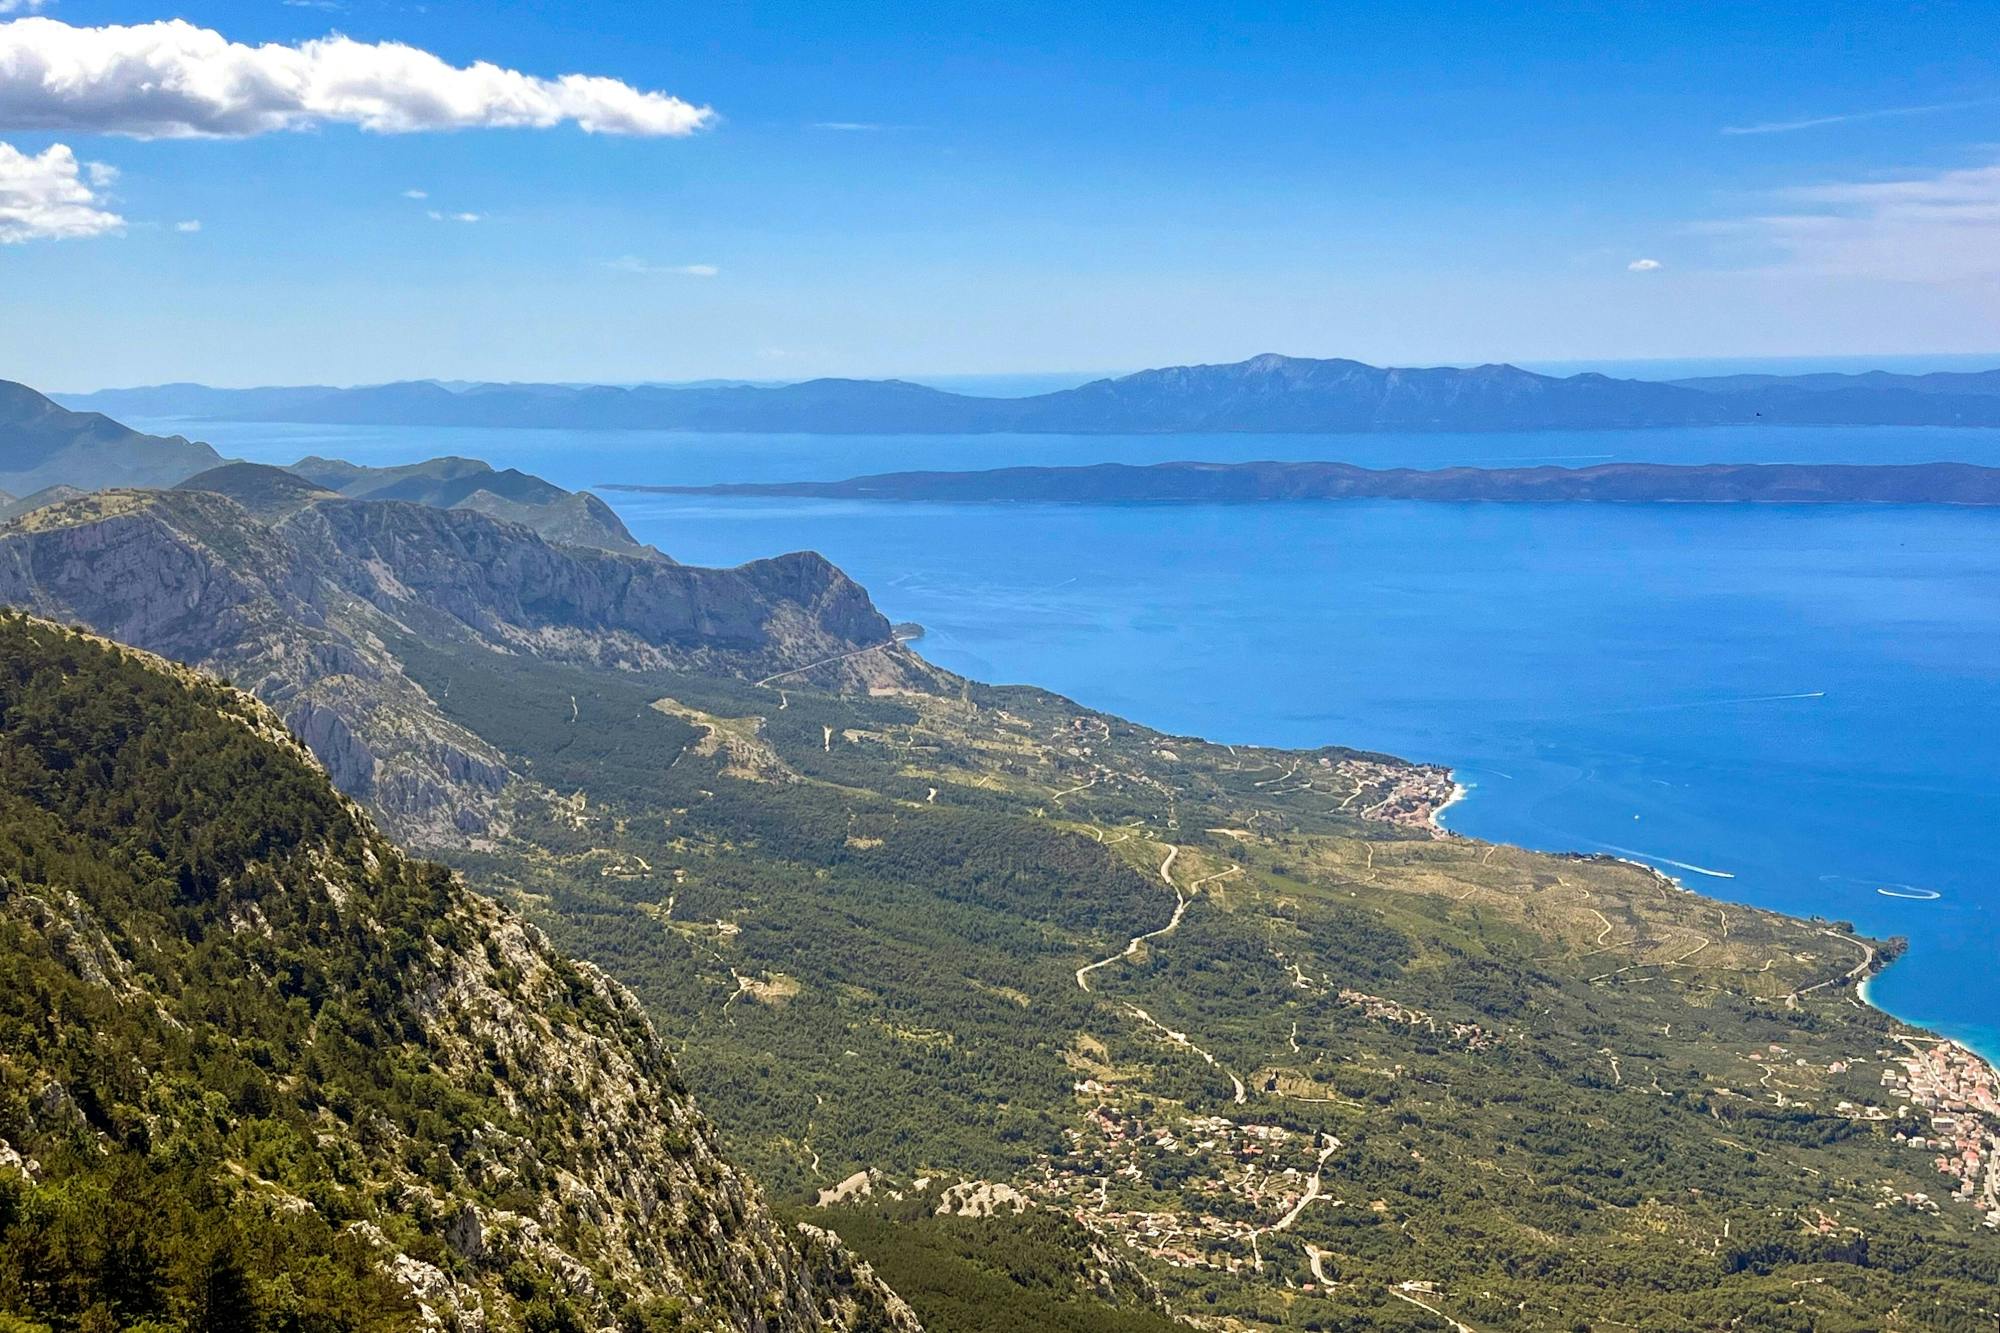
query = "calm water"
{"x": 592, "y": 458}
{"x": 1803, "y": 700}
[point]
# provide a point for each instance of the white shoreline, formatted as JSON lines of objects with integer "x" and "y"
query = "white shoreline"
{"x": 1863, "y": 987}
{"x": 1459, "y": 791}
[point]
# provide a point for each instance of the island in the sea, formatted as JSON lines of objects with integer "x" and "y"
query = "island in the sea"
{"x": 1270, "y": 394}
{"x": 1628, "y": 483}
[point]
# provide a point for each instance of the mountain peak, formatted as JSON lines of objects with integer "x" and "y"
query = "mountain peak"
{"x": 44, "y": 444}
{"x": 1269, "y": 392}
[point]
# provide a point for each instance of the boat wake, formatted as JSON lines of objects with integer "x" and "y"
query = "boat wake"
{"x": 1720, "y": 703}
{"x": 1668, "y": 861}
{"x": 1915, "y": 893}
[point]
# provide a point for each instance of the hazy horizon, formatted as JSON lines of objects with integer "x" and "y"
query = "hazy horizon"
{"x": 1025, "y": 383}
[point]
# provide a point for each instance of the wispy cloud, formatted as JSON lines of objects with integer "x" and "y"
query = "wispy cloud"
{"x": 188, "y": 227}
{"x": 436, "y": 215}
{"x": 849, "y": 126}
{"x": 21, "y": 6}
{"x": 173, "y": 80}
{"x": 1644, "y": 266}
{"x": 1844, "y": 118}
{"x": 1938, "y": 227}
{"x": 51, "y": 196}
{"x": 416, "y": 194}
{"x": 634, "y": 264}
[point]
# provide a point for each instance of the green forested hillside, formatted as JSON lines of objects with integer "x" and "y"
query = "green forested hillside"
{"x": 258, "y": 1070}
{"x": 1028, "y": 1272}
{"x": 1365, "y": 1075}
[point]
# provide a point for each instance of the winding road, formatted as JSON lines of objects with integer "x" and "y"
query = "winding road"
{"x": 1859, "y": 972}
{"x": 1181, "y": 901}
{"x": 1138, "y": 941}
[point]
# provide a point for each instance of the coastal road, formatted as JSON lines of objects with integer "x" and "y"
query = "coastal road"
{"x": 1858, "y": 973}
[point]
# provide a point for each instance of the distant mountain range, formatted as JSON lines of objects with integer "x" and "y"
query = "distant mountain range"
{"x": 49, "y": 454}
{"x": 1658, "y": 483}
{"x": 571, "y": 518}
{"x": 43, "y": 444}
{"x": 1269, "y": 393}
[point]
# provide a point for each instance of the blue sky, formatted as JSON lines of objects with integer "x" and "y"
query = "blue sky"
{"x": 920, "y": 189}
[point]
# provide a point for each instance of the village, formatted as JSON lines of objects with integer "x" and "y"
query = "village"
{"x": 1137, "y": 1177}
{"x": 1961, "y": 1094}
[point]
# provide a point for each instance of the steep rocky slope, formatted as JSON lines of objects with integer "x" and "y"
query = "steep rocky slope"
{"x": 308, "y": 611}
{"x": 257, "y": 1069}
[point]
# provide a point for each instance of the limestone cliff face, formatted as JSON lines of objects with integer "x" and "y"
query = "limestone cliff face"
{"x": 530, "y": 592}
{"x": 148, "y": 572}
{"x": 485, "y": 1117}
{"x": 635, "y": 1165}
{"x": 191, "y": 576}
{"x": 301, "y": 611}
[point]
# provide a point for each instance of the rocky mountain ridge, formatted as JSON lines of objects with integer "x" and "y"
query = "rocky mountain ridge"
{"x": 302, "y": 610}
{"x": 43, "y": 444}
{"x": 571, "y": 518}
{"x": 277, "y": 1070}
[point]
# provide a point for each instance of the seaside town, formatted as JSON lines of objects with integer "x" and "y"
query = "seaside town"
{"x": 1961, "y": 1094}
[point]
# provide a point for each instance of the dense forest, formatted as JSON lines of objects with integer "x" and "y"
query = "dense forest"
{"x": 258, "y": 1070}
{"x": 1561, "y": 1091}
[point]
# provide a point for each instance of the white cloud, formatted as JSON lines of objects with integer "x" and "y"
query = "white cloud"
{"x": 190, "y": 226}
{"x": 1939, "y": 227}
{"x": 634, "y": 264}
{"x": 20, "y": 6}
{"x": 851, "y": 126}
{"x": 436, "y": 216}
{"x": 1643, "y": 265}
{"x": 416, "y": 194}
{"x": 49, "y": 197}
{"x": 171, "y": 79}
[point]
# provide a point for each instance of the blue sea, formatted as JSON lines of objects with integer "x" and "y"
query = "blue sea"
{"x": 1795, "y": 707}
